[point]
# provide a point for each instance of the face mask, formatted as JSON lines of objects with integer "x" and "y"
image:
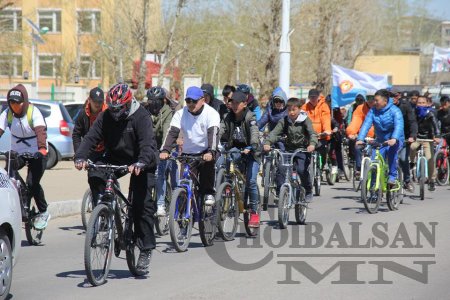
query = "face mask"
{"x": 422, "y": 111}
{"x": 154, "y": 106}
{"x": 121, "y": 113}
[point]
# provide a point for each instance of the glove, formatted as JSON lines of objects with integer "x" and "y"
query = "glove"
{"x": 43, "y": 151}
{"x": 40, "y": 154}
{"x": 79, "y": 163}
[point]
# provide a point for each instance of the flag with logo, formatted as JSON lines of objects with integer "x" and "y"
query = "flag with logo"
{"x": 348, "y": 83}
{"x": 441, "y": 60}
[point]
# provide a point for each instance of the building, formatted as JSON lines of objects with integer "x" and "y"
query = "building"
{"x": 445, "y": 34}
{"x": 86, "y": 43}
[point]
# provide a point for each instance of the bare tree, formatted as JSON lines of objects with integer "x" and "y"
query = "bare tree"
{"x": 143, "y": 50}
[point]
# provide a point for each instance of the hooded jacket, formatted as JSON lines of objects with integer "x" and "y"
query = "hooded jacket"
{"x": 428, "y": 127}
{"x": 320, "y": 116}
{"x": 161, "y": 123}
{"x": 444, "y": 118}
{"x": 126, "y": 141}
{"x": 388, "y": 123}
{"x": 358, "y": 119}
{"x": 254, "y": 107}
{"x": 300, "y": 134}
{"x": 218, "y": 105}
{"x": 272, "y": 115}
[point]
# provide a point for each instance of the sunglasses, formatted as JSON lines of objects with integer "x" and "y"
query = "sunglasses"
{"x": 189, "y": 101}
{"x": 277, "y": 100}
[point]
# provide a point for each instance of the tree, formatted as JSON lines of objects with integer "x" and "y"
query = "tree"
{"x": 142, "y": 30}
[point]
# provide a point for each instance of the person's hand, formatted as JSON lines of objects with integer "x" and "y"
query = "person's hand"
{"x": 352, "y": 136}
{"x": 266, "y": 148}
{"x": 411, "y": 140}
{"x": 207, "y": 156}
{"x": 335, "y": 130}
{"x": 310, "y": 148}
{"x": 358, "y": 143}
{"x": 246, "y": 151}
{"x": 136, "y": 168}
{"x": 437, "y": 140}
{"x": 163, "y": 155}
{"x": 43, "y": 151}
{"x": 391, "y": 142}
{"x": 327, "y": 133}
{"x": 80, "y": 164}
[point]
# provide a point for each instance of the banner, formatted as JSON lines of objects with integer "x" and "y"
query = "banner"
{"x": 441, "y": 60}
{"x": 348, "y": 83}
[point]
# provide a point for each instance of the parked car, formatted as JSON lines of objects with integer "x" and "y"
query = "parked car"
{"x": 74, "y": 109}
{"x": 10, "y": 231}
{"x": 59, "y": 130}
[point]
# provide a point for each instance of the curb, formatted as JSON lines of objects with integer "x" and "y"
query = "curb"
{"x": 65, "y": 208}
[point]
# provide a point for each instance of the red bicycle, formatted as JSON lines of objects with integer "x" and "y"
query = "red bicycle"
{"x": 442, "y": 162}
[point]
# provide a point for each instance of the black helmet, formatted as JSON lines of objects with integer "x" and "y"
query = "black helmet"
{"x": 243, "y": 88}
{"x": 155, "y": 101}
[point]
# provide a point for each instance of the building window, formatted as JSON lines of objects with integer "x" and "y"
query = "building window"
{"x": 11, "y": 65}
{"x": 90, "y": 67}
{"x": 50, "y": 19}
{"x": 447, "y": 31}
{"x": 89, "y": 21}
{"x": 49, "y": 65}
{"x": 11, "y": 20}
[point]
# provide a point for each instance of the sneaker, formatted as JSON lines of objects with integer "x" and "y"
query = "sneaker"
{"x": 357, "y": 175}
{"x": 334, "y": 170}
{"x": 431, "y": 186}
{"x": 391, "y": 183}
{"x": 41, "y": 220}
{"x": 309, "y": 197}
{"x": 144, "y": 261}
{"x": 209, "y": 200}
{"x": 161, "y": 210}
{"x": 409, "y": 187}
{"x": 254, "y": 220}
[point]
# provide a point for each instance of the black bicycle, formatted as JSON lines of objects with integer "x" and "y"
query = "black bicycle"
{"x": 110, "y": 228}
{"x": 29, "y": 210}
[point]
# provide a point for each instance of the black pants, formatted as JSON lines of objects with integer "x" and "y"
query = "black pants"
{"x": 144, "y": 206}
{"x": 206, "y": 173}
{"x": 323, "y": 147}
{"x": 301, "y": 165}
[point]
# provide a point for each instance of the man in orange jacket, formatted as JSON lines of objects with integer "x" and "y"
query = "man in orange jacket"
{"x": 353, "y": 129}
{"x": 319, "y": 113}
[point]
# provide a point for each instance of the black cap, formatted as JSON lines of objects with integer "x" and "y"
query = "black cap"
{"x": 239, "y": 96}
{"x": 208, "y": 88}
{"x": 313, "y": 93}
{"x": 96, "y": 95}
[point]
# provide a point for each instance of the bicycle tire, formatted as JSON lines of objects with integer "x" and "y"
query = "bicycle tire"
{"x": 178, "y": 204}
{"x": 220, "y": 177}
{"x": 370, "y": 197}
{"x": 86, "y": 207}
{"x": 393, "y": 199}
{"x": 208, "y": 223}
{"x": 162, "y": 222}
{"x": 355, "y": 183}
{"x": 267, "y": 184}
{"x": 252, "y": 231}
{"x": 348, "y": 174}
{"x": 131, "y": 249}
{"x": 34, "y": 236}
{"x": 441, "y": 164}
{"x": 101, "y": 220}
{"x": 422, "y": 179}
{"x": 283, "y": 207}
{"x": 331, "y": 178}
{"x": 229, "y": 209}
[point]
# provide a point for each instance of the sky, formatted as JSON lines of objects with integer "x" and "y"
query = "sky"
{"x": 439, "y": 8}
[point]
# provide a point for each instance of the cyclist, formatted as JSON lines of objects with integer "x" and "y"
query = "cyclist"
{"x": 428, "y": 128}
{"x": 360, "y": 99}
{"x": 275, "y": 111}
{"x": 127, "y": 132}
{"x": 28, "y": 134}
{"x": 353, "y": 129}
{"x": 388, "y": 122}
{"x": 240, "y": 131}
{"x": 199, "y": 124}
{"x": 410, "y": 130}
{"x": 158, "y": 105}
{"x": 93, "y": 106}
{"x": 319, "y": 113}
{"x": 413, "y": 96}
{"x": 218, "y": 105}
{"x": 252, "y": 103}
{"x": 444, "y": 117}
{"x": 300, "y": 134}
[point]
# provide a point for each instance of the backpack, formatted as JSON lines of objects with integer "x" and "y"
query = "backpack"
{"x": 29, "y": 116}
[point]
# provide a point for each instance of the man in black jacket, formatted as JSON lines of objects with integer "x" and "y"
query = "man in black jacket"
{"x": 127, "y": 132}
{"x": 443, "y": 116}
{"x": 218, "y": 105}
{"x": 410, "y": 129}
{"x": 93, "y": 106}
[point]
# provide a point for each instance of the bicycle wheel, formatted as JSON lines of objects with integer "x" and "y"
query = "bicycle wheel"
{"x": 34, "y": 236}
{"x": 180, "y": 228}
{"x": 422, "y": 178}
{"x": 267, "y": 183}
{"x": 371, "y": 196}
{"x": 131, "y": 249}
{"x": 441, "y": 163}
{"x": 86, "y": 208}
{"x": 229, "y": 211}
{"x": 348, "y": 172}
{"x": 252, "y": 231}
{"x": 331, "y": 178}
{"x": 284, "y": 207}
{"x": 220, "y": 177}
{"x": 355, "y": 181}
{"x": 394, "y": 198}
{"x": 162, "y": 224}
{"x": 99, "y": 244}
{"x": 208, "y": 223}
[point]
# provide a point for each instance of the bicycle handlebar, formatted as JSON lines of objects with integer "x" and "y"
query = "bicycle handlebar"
{"x": 107, "y": 166}
{"x": 291, "y": 155}
{"x": 424, "y": 140}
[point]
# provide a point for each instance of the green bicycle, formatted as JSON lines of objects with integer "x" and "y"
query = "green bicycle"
{"x": 375, "y": 183}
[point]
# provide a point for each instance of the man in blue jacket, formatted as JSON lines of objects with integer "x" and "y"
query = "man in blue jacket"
{"x": 388, "y": 122}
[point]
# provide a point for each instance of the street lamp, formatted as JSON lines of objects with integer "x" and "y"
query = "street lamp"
{"x": 239, "y": 46}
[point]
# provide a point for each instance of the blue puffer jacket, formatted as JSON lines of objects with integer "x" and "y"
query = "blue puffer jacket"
{"x": 273, "y": 115}
{"x": 388, "y": 123}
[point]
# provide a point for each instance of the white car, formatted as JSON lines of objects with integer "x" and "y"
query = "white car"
{"x": 10, "y": 231}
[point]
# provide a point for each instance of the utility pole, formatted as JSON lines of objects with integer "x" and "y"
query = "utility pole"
{"x": 285, "y": 48}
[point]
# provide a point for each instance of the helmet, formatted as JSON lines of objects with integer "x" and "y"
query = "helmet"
{"x": 117, "y": 99}
{"x": 243, "y": 88}
{"x": 155, "y": 102}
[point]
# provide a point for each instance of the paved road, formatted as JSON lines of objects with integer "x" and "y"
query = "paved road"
{"x": 56, "y": 270}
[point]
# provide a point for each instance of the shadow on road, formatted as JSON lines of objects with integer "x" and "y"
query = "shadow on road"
{"x": 113, "y": 274}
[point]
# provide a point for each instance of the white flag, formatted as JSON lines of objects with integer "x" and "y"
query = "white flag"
{"x": 441, "y": 60}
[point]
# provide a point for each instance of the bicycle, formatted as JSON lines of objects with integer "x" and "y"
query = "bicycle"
{"x": 29, "y": 210}
{"x": 291, "y": 192}
{"x": 375, "y": 183}
{"x": 421, "y": 168}
{"x": 365, "y": 163}
{"x": 162, "y": 222}
{"x": 442, "y": 162}
{"x": 348, "y": 174}
{"x": 86, "y": 207}
{"x": 314, "y": 171}
{"x": 327, "y": 166}
{"x": 110, "y": 228}
{"x": 231, "y": 196}
{"x": 187, "y": 207}
{"x": 270, "y": 166}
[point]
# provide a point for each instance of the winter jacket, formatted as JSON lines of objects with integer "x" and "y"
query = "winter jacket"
{"x": 250, "y": 130}
{"x": 161, "y": 123}
{"x": 300, "y": 134}
{"x": 253, "y": 105}
{"x": 444, "y": 119}
{"x": 409, "y": 118}
{"x": 271, "y": 114}
{"x": 82, "y": 124}
{"x": 320, "y": 116}
{"x": 428, "y": 127}
{"x": 388, "y": 123}
{"x": 126, "y": 141}
{"x": 357, "y": 120}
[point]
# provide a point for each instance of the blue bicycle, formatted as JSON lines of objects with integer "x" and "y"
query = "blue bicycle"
{"x": 187, "y": 207}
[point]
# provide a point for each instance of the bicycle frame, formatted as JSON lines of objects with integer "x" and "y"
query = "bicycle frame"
{"x": 287, "y": 160}
{"x": 187, "y": 183}
{"x": 382, "y": 171}
{"x": 420, "y": 156}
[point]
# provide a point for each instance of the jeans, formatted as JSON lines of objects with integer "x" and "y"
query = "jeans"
{"x": 161, "y": 181}
{"x": 403, "y": 159}
{"x": 251, "y": 167}
{"x": 301, "y": 165}
{"x": 392, "y": 156}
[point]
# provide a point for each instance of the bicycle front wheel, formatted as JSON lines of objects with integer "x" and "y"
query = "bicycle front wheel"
{"x": 99, "y": 244}
{"x": 422, "y": 178}
{"x": 267, "y": 183}
{"x": 229, "y": 211}
{"x": 180, "y": 227}
{"x": 162, "y": 224}
{"x": 284, "y": 207}
{"x": 34, "y": 236}
{"x": 441, "y": 163}
{"x": 394, "y": 198}
{"x": 252, "y": 231}
{"x": 86, "y": 208}
{"x": 371, "y": 194}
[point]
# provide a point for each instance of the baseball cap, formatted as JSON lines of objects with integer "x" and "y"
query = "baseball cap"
{"x": 313, "y": 93}
{"x": 239, "y": 96}
{"x": 96, "y": 95}
{"x": 195, "y": 93}
{"x": 15, "y": 95}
